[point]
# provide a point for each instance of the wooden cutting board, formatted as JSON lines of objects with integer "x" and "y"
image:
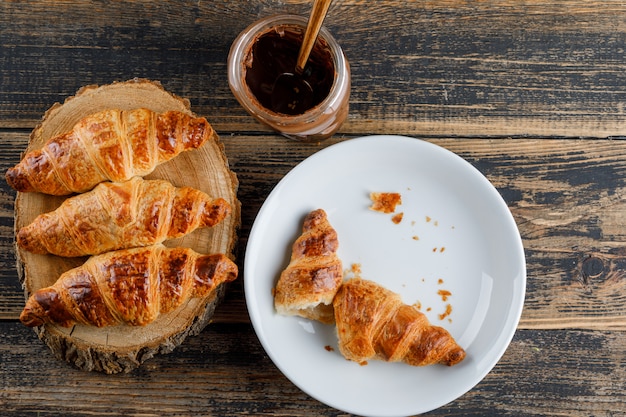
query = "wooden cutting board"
{"x": 122, "y": 348}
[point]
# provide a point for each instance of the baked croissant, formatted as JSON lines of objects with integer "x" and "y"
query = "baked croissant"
{"x": 374, "y": 323}
{"x": 113, "y": 145}
{"x": 307, "y": 286}
{"x": 121, "y": 215}
{"x": 131, "y": 286}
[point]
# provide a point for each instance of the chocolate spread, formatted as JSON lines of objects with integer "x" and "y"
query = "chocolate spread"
{"x": 274, "y": 53}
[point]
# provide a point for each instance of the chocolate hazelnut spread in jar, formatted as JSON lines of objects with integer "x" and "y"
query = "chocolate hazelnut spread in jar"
{"x": 269, "y": 48}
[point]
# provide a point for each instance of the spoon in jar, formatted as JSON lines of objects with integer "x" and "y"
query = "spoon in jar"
{"x": 292, "y": 94}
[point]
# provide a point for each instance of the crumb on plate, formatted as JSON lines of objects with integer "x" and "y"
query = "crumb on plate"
{"x": 385, "y": 202}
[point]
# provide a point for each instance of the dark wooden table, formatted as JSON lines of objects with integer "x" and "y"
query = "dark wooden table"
{"x": 533, "y": 94}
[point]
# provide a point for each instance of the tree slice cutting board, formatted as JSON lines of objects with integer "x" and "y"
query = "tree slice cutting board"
{"x": 122, "y": 348}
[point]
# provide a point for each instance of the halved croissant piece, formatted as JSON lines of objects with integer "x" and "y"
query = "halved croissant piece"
{"x": 374, "y": 323}
{"x": 131, "y": 286}
{"x": 115, "y": 216}
{"x": 308, "y": 284}
{"x": 113, "y": 145}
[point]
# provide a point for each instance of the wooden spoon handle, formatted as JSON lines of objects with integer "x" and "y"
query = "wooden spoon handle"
{"x": 318, "y": 13}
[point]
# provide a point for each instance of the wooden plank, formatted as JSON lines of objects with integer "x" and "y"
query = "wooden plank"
{"x": 570, "y": 214}
{"x": 569, "y": 373}
{"x": 11, "y": 293}
{"x": 433, "y": 68}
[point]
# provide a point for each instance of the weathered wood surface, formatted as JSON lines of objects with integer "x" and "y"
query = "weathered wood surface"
{"x": 224, "y": 371}
{"x": 433, "y": 68}
{"x": 571, "y": 214}
{"x": 533, "y": 94}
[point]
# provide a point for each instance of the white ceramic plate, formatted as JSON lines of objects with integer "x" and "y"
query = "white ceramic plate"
{"x": 456, "y": 234}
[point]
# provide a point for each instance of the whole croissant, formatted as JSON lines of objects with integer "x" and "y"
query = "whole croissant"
{"x": 307, "y": 286}
{"x": 131, "y": 286}
{"x": 374, "y": 323}
{"x": 121, "y": 215}
{"x": 113, "y": 145}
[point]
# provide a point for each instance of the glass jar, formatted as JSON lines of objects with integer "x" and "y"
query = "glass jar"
{"x": 318, "y": 122}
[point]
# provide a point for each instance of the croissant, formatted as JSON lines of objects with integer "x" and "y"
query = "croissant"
{"x": 113, "y": 145}
{"x": 121, "y": 215}
{"x": 374, "y": 323}
{"x": 131, "y": 286}
{"x": 307, "y": 286}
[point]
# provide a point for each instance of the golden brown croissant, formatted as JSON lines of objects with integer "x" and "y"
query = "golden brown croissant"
{"x": 113, "y": 145}
{"x": 121, "y": 215}
{"x": 130, "y": 286}
{"x": 374, "y": 323}
{"x": 307, "y": 286}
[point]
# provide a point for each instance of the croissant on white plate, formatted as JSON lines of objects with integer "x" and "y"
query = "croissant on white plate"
{"x": 115, "y": 216}
{"x": 111, "y": 145}
{"x": 129, "y": 286}
{"x": 374, "y": 323}
{"x": 308, "y": 284}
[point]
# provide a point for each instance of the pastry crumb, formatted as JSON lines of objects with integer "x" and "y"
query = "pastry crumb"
{"x": 397, "y": 218}
{"x": 444, "y": 294}
{"x": 329, "y": 348}
{"x": 354, "y": 272}
{"x": 385, "y": 202}
{"x": 446, "y": 313}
